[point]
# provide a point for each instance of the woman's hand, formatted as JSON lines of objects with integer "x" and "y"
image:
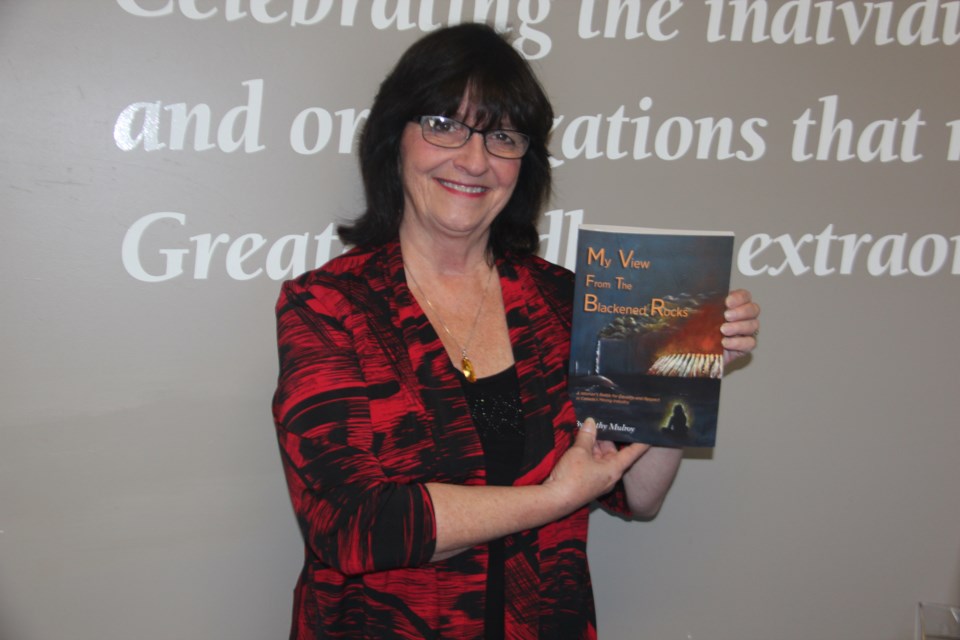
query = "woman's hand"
{"x": 741, "y": 327}
{"x": 589, "y": 468}
{"x": 470, "y": 515}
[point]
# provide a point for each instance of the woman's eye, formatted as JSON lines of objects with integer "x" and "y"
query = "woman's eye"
{"x": 502, "y": 138}
{"x": 443, "y": 126}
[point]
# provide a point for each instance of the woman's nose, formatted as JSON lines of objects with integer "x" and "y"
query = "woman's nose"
{"x": 472, "y": 156}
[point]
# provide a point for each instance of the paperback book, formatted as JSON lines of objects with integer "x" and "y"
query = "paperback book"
{"x": 646, "y": 358}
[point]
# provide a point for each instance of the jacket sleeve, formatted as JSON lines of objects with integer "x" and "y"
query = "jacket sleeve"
{"x": 351, "y": 515}
{"x": 615, "y": 501}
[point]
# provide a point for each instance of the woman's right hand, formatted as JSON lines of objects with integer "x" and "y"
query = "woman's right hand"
{"x": 590, "y": 468}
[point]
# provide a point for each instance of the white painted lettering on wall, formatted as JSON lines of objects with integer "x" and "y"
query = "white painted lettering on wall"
{"x": 313, "y": 127}
{"x": 953, "y": 149}
{"x": 619, "y": 135}
{"x": 836, "y": 138}
{"x": 626, "y": 18}
{"x": 924, "y": 22}
{"x": 826, "y": 254}
{"x": 402, "y": 15}
{"x": 154, "y": 126}
{"x": 243, "y": 257}
{"x": 636, "y": 133}
{"x": 251, "y": 255}
{"x": 550, "y": 242}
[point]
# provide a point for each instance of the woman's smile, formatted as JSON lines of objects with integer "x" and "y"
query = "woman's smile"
{"x": 461, "y": 188}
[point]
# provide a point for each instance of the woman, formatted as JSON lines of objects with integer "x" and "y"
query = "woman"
{"x": 428, "y": 441}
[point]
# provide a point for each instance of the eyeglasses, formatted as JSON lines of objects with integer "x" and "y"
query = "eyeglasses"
{"x": 453, "y": 134}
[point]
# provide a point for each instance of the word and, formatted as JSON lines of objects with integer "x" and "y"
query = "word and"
{"x": 143, "y": 124}
{"x": 155, "y": 126}
{"x": 889, "y": 255}
{"x": 401, "y": 15}
{"x": 924, "y": 22}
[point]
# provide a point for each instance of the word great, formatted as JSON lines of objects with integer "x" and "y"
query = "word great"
{"x": 244, "y": 257}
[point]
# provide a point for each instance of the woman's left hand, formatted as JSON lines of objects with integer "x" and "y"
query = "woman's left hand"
{"x": 741, "y": 327}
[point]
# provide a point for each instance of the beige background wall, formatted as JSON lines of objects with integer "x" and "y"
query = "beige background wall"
{"x": 141, "y": 494}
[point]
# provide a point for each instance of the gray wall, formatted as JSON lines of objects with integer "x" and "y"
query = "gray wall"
{"x": 141, "y": 494}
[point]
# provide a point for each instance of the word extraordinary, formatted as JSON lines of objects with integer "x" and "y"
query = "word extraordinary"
{"x": 252, "y": 255}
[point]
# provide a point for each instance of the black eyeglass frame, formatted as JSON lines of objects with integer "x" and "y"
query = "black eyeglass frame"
{"x": 422, "y": 121}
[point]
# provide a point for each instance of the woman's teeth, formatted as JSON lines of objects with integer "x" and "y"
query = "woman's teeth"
{"x": 462, "y": 187}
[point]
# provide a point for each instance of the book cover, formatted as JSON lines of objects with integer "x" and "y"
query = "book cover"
{"x": 646, "y": 357}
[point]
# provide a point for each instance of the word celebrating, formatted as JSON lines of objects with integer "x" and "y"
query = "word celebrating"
{"x": 803, "y": 21}
{"x": 383, "y": 14}
{"x": 883, "y": 140}
{"x": 891, "y": 255}
{"x": 618, "y": 136}
{"x": 244, "y": 257}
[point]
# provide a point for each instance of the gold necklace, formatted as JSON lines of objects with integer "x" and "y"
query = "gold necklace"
{"x": 468, "y": 371}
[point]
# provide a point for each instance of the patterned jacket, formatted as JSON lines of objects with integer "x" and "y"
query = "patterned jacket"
{"x": 368, "y": 408}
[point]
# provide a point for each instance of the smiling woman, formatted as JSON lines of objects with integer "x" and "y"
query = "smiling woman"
{"x": 428, "y": 440}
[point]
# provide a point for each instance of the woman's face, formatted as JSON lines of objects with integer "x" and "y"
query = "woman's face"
{"x": 455, "y": 193}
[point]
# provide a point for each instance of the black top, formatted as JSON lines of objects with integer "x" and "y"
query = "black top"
{"x": 495, "y": 407}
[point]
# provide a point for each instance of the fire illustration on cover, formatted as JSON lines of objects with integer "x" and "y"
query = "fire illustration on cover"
{"x": 695, "y": 350}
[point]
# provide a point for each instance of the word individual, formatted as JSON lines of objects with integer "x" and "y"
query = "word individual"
{"x": 925, "y": 22}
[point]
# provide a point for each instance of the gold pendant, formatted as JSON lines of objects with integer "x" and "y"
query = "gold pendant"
{"x": 468, "y": 371}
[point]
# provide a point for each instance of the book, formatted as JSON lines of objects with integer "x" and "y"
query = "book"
{"x": 646, "y": 358}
